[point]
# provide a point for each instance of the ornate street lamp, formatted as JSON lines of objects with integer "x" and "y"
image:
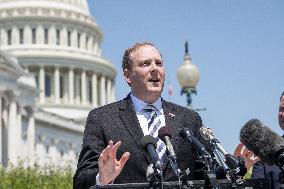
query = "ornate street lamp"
{"x": 188, "y": 76}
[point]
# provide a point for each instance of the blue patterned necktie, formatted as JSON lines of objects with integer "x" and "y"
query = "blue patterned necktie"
{"x": 154, "y": 124}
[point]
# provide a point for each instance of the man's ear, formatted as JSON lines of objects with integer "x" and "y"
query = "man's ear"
{"x": 126, "y": 74}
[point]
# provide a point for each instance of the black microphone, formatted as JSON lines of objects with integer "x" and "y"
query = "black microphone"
{"x": 188, "y": 135}
{"x": 149, "y": 143}
{"x": 165, "y": 133}
{"x": 263, "y": 142}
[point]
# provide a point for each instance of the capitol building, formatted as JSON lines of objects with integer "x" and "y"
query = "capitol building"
{"x": 51, "y": 75}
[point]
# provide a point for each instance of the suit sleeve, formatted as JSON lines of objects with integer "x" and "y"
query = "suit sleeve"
{"x": 258, "y": 171}
{"x": 93, "y": 145}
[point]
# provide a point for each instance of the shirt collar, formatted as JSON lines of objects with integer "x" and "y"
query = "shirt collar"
{"x": 140, "y": 104}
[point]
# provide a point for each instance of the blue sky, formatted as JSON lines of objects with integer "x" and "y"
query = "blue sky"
{"x": 238, "y": 47}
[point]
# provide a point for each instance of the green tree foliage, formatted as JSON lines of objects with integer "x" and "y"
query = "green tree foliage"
{"x": 35, "y": 178}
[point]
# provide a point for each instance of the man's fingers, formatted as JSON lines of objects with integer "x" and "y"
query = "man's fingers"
{"x": 115, "y": 147}
{"x": 110, "y": 143}
{"x": 109, "y": 152}
{"x": 124, "y": 159}
{"x": 105, "y": 153}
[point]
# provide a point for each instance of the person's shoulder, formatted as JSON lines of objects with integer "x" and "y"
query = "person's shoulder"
{"x": 105, "y": 109}
{"x": 178, "y": 108}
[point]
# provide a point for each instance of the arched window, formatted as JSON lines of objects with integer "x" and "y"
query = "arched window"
{"x": 69, "y": 38}
{"x": 79, "y": 39}
{"x": 21, "y": 36}
{"x": 9, "y": 36}
{"x": 87, "y": 42}
{"x": 57, "y": 36}
{"x": 47, "y": 85}
{"x": 33, "y": 35}
{"x": 45, "y": 35}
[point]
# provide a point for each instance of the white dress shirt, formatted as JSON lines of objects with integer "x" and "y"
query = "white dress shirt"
{"x": 143, "y": 116}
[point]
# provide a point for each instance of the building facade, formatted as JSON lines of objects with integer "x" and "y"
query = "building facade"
{"x": 52, "y": 74}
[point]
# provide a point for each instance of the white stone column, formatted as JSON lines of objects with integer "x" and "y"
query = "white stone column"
{"x": 83, "y": 41}
{"x": 5, "y": 133}
{"x": 89, "y": 42}
{"x": 96, "y": 46}
{"x": 77, "y": 88}
{"x": 41, "y": 85}
{"x": 3, "y": 36}
{"x": 52, "y": 35}
{"x": 63, "y": 36}
{"x": 12, "y": 129}
{"x": 108, "y": 91}
{"x": 74, "y": 36}
{"x": 27, "y": 35}
{"x": 113, "y": 98}
{"x": 56, "y": 84}
{"x": 40, "y": 34}
{"x": 15, "y": 35}
{"x": 65, "y": 88}
{"x": 94, "y": 90}
{"x": 19, "y": 131}
{"x": 83, "y": 87}
{"x": 31, "y": 139}
{"x": 103, "y": 91}
{"x": 71, "y": 85}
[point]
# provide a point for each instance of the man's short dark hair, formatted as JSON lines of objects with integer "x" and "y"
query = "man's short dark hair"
{"x": 282, "y": 95}
{"x": 126, "y": 61}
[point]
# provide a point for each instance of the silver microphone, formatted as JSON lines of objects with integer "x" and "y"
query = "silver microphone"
{"x": 207, "y": 134}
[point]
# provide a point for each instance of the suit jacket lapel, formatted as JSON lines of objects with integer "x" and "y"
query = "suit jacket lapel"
{"x": 170, "y": 121}
{"x": 130, "y": 120}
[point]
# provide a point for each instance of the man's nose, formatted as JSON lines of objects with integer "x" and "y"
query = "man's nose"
{"x": 153, "y": 66}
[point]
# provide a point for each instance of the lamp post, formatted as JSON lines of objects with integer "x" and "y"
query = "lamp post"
{"x": 188, "y": 76}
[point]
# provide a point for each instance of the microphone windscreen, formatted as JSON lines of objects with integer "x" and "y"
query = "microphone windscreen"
{"x": 148, "y": 139}
{"x": 261, "y": 140}
{"x": 165, "y": 131}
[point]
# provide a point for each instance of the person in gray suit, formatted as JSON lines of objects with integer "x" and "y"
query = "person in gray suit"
{"x": 111, "y": 151}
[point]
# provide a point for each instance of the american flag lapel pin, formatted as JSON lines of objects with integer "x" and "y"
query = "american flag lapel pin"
{"x": 172, "y": 115}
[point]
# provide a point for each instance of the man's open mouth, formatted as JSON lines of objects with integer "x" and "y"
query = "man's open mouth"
{"x": 154, "y": 80}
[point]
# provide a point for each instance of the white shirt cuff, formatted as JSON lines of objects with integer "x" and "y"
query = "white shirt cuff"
{"x": 98, "y": 183}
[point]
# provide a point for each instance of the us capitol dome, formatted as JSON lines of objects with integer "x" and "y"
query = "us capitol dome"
{"x": 52, "y": 74}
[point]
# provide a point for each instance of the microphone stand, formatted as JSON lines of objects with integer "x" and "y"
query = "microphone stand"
{"x": 225, "y": 167}
{"x": 155, "y": 171}
{"x": 210, "y": 181}
{"x": 232, "y": 173}
{"x": 210, "y": 176}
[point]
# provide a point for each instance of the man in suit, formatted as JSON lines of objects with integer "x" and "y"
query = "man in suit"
{"x": 111, "y": 151}
{"x": 263, "y": 170}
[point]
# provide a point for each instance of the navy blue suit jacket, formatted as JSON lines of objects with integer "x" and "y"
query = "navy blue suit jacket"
{"x": 271, "y": 172}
